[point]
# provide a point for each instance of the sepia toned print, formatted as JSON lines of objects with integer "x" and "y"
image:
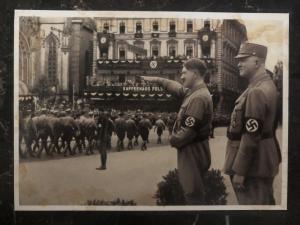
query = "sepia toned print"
{"x": 150, "y": 111}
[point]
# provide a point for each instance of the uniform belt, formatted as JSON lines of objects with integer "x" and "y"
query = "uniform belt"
{"x": 201, "y": 138}
{"x": 237, "y": 136}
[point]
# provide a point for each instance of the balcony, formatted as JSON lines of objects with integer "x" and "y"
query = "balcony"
{"x": 172, "y": 34}
{"x": 155, "y": 35}
{"x": 138, "y": 35}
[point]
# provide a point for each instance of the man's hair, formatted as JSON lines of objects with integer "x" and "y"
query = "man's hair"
{"x": 196, "y": 65}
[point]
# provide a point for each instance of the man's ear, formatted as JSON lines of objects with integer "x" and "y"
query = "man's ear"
{"x": 257, "y": 62}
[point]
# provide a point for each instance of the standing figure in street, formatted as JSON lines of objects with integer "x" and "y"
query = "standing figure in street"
{"x": 120, "y": 129}
{"x": 252, "y": 152}
{"x": 144, "y": 126}
{"x": 111, "y": 129}
{"x": 170, "y": 123}
{"x": 131, "y": 130}
{"x": 159, "y": 127}
{"x": 103, "y": 127}
{"x": 192, "y": 127}
{"x": 137, "y": 119}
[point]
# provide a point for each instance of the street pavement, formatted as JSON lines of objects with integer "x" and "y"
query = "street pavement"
{"x": 130, "y": 175}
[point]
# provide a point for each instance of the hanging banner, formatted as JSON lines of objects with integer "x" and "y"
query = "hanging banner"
{"x": 136, "y": 50}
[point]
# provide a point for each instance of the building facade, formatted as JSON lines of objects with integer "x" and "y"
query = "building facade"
{"x": 57, "y": 49}
{"x": 127, "y": 48}
{"x": 102, "y": 58}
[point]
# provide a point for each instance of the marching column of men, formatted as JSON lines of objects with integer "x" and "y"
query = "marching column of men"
{"x": 54, "y": 131}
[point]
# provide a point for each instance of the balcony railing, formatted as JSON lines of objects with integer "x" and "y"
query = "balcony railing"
{"x": 155, "y": 35}
{"x": 172, "y": 34}
{"x": 138, "y": 35}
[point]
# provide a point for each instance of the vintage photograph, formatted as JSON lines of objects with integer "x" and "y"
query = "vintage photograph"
{"x": 122, "y": 110}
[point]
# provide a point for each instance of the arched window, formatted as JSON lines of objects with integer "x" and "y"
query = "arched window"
{"x": 122, "y": 28}
{"x": 155, "y": 26}
{"x": 172, "y": 50}
{"x": 155, "y": 51}
{"x": 138, "y": 27}
{"x": 139, "y": 44}
{"x": 122, "y": 53}
{"x": 189, "y": 26}
{"x": 52, "y": 59}
{"x": 24, "y": 61}
{"x": 106, "y": 27}
{"x": 189, "y": 51}
{"x": 172, "y": 26}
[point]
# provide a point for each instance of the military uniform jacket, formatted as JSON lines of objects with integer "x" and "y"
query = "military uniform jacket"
{"x": 190, "y": 134}
{"x": 252, "y": 149}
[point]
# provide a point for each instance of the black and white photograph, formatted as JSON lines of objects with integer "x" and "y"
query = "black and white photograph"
{"x": 123, "y": 110}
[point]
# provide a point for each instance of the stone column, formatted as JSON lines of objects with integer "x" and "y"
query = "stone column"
{"x": 95, "y": 54}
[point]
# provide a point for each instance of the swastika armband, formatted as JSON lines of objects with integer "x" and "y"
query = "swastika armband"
{"x": 253, "y": 126}
{"x": 189, "y": 121}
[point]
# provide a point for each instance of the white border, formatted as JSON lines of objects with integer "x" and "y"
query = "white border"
{"x": 154, "y": 14}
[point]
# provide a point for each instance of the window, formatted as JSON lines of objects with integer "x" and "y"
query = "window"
{"x": 172, "y": 26}
{"x": 139, "y": 45}
{"x": 155, "y": 26}
{"x": 189, "y": 51}
{"x": 122, "y": 28}
{"x": 172, "y": 50}
{"x": 122, "y": 53}
{"x": 138, "y": 27}
{"x": 155, "y": 51}
{"x": 189, "y": 26}
{"x": 52, "y": 59}
{"x": 106, "y": 27}
{"x": 121, "y": 78}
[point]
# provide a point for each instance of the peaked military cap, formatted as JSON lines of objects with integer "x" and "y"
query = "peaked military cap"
{"x": 250, "y": 49}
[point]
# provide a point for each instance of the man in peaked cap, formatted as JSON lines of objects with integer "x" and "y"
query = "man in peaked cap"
{"x": 252, "y": 152}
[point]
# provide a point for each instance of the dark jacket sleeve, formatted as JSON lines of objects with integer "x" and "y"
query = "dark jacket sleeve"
{"x": 193, "y": 116}
{"x": 255, "y": 111}
{"x": 172, "y": 86}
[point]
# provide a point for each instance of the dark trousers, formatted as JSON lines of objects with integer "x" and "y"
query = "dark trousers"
{"x": 258, "y": 191}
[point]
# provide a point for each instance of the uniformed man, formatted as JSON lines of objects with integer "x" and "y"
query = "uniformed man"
{"x": 103, "y": 126}
{"x": 192, "y": 127}
{"x": 120, "y": 129}
{"x": 131, "y": 130}
{"x": 137, "y": 119}
{"x": 252, "y": 152}
{"x": 159, "y": 127}
{"x": 144, "y": 127}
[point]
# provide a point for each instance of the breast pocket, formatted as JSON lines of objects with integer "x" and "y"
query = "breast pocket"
{"x": 237, "y": 117}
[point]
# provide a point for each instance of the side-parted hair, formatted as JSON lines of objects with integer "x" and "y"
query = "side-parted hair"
{"x": 197, "y": 65}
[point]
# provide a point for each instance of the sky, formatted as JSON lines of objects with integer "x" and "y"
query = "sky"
{"x": 271, "y": 34}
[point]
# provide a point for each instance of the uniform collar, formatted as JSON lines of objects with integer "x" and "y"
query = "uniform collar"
{"x": 259, "y": 78}
{"x": 197, "y": 87}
